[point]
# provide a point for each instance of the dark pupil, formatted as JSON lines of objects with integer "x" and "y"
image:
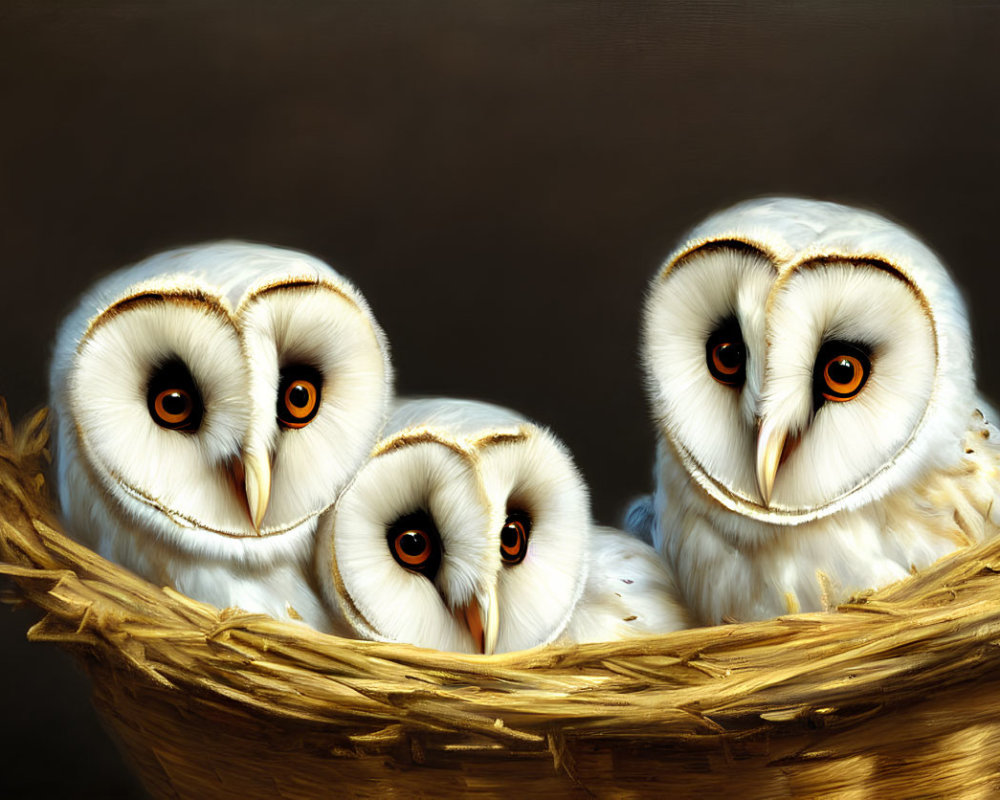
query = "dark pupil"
{"x": 841, "y": 371}
{"x": 299, "y": 396}
{"x": 508, "y": 536}
{"x": 174, "y": 403}
{"x": 412, "y": 544}
{"x": 730, "y": 355}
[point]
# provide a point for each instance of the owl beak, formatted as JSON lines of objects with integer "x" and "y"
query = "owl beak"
{"x": 774, "y": 446}
{"x": 257, "y": 484}
{"x": 480, "y": 615}
{"x": 491, "y": 621}
{"x": 770, "y": 447}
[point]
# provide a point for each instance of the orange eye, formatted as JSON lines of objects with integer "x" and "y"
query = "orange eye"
{"x": 414, "y": 543}
{"x": 842, "y": 369}
{"x": 173, "y": 407}
{"x": 298, "y": 395}
{"x": 173, "y": 399}
{"x": 514, "y": 537}
{"x": 726, "y": 355}
{"x": 412, "y": 548}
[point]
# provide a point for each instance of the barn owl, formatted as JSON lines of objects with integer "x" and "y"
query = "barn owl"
{"x": 469, "y": 530}
{"x": 210, "y": 402}
{"x": 809, "y": 369}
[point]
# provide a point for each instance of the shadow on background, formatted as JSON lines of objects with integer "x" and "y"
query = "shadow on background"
{"x": 499, "y": 178}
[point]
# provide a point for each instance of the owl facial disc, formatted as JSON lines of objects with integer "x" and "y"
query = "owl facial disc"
{"x": 803, "y": 357}
{"x": 223, "y": 391}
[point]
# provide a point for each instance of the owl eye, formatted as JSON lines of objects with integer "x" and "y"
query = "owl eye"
{"x": 299, "y": 392}
{"x": 842, "y": 369}
{"x": 415, "y": 544}
{"x": 514, "y": 537}
{"x": 173, "y": 399}
{"x": 726, "y": 355}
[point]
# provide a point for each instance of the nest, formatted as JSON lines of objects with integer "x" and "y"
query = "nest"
{"x": 895, "y": 694}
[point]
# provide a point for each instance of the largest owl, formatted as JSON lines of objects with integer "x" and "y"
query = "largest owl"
{"x": 210, "y": 402}
{"x": 809, "y": 368}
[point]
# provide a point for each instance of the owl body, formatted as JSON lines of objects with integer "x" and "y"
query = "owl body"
{"x": 209, "y": 404}
{"x": 826, "y": 561}
{"x": 630, "y": 591}
{"x": 271, "y": 577}
{"x": 809, "y": 367}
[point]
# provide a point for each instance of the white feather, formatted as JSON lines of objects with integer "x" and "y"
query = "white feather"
{"x": 630, "y": 591}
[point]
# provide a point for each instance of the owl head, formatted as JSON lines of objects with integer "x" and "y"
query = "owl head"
{"x": 467, "y": 530}
{"x": 219, "y": 395}
{"x": 804, "y": 357}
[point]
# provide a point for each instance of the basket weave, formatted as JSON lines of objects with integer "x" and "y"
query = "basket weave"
{"x": 895, "y": 695}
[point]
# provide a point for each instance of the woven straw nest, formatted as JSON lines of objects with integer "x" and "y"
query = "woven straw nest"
{"x": 897, "y": 694}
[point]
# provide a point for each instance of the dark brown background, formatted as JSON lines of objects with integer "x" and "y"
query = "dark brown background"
{"x": 500, "y": 179}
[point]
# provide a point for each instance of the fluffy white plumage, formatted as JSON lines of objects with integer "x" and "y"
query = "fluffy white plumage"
{"x": 784, "y": 486}
{"x": 469, "y": 474}
{"x": 630, "y": 591}
{"x": 223, "y": 506}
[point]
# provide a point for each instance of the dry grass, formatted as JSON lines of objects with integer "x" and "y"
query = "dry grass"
{"x": 897, "y": 694}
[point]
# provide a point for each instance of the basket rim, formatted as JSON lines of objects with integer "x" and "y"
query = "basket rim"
{"x": 935, "y": 630}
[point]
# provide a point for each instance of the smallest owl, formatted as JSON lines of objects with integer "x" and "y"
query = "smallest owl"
{"x": 809, "y": 368}
{"x": 469, "y": 530}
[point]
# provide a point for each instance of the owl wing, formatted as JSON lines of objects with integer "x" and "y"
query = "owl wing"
{"x": 639, "y": 518}
{"x": 967, "y": 496}
{"x": 988, "y": 412}
{"x": 464, "y": 419}
{"x": 630, "y": 592}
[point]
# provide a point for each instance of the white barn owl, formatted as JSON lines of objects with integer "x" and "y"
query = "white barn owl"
{"x": 809, "y": 368}
{"x": 469, "y": 530}
{"x": 210, "y": 402}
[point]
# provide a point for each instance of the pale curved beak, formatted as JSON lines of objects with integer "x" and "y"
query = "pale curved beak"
{"x": 257, "y": 485}
{"x": 483, "y": 620}
{"x": 770, "y": 447}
